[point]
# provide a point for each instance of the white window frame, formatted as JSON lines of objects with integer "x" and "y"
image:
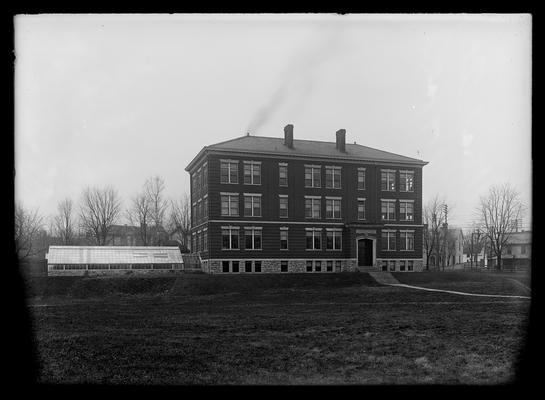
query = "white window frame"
{"x": 312, "y": 204}
{"x": 315, "y": 232}
{"x": 312, "y": 169}
{"x": 251, "y": 164}
{"x": 404, "y": 240}
{"x": 363, "y": 171}
{"x": 231, "y": 233}
{"x": 229, "y": 196}
{"x": 388, "y": 201}
{"x": 280, "y": 198}
{"x": 361, "y": 200}
{"x": 333, "y": 201}
{"x": 252, "y": 196}
{"x": 406, "y": 172}
{"x": 388, "y": 180}
{"x": 285, "y": 230}
{"x": 335, "y": 232}
{"x": 403, "y": 204}
{"x": 389, "y": 233}
{"x": 335, "y": 171}
{"x": 280, "y": 166}
{"x": 229, "y": 162}
{"x": 253, "y": 229}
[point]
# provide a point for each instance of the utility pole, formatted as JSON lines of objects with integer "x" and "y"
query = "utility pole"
{"x": 471, "y": 251}
{"x": 435, "y": 241}
{"x": 445, "y": 225}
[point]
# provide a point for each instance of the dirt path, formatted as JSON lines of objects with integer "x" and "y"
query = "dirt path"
{"x": 386, "y": 278}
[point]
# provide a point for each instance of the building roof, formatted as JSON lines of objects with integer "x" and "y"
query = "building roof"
{"x": 306, "y": 148}
{"x": 113, "y": 255}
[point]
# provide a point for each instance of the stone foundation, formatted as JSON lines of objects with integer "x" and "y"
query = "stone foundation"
{"x": 418, "y": 264}
{"x": 274, "y": 266}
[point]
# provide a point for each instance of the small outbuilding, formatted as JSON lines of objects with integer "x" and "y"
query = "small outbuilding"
{"x": 101, "y": 260}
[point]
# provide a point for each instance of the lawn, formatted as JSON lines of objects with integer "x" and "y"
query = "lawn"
{"x": 277, "y": 329}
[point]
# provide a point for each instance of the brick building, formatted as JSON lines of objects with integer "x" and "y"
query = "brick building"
{"x": 262, "y": 204}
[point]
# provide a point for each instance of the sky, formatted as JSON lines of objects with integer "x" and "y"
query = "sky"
{"x": 113, "y": 99}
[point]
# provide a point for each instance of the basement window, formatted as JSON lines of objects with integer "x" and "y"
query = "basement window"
{"x": 283, "y": 266}
{"x": 257, "y": 266}
{"x": 225, "y": 266}
{"x": 247, "y": 266}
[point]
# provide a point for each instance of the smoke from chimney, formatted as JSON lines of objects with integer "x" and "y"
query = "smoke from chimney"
{"x": 297, "y": 80}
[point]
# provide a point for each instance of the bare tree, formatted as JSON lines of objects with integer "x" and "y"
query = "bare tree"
{"x": 64, "y": 222}
{"x": 179, "y": 220}
{"x": 139, "y": 214}
{"x": 498, "y": 210}
{"x": 433, "y": 219}
{"x": 154, "y": 189}
{"x": 100, "y": 209}
{"x": 28, "y": 225}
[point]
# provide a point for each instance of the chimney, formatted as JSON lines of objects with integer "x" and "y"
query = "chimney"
{"x": 288, "y": 135}
{"x": 341, "y": 140}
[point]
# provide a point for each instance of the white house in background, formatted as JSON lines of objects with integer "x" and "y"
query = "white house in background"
{"x": 102, "y": 260}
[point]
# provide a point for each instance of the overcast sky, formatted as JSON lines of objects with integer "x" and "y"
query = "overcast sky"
{"x": 115, "y": 99}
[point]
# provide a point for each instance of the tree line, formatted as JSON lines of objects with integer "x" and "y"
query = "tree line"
{"x": 495, "y": 220}
{"x": 90, "y": 220}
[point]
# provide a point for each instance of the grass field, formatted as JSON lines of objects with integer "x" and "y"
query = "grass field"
{"x": 277, "y": 329}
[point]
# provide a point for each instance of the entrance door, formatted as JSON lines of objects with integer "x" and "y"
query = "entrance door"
{"x": 365, "y": 252}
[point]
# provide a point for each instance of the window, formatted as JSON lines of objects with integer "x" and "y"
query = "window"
{"x": 410, "y": 265}
{"x": 252, "y": 238}
{"x": 252, "y": 173}
{"x": 384, "y": 265}
{"x": 332, "y": 208}
{"x": 333, "y": 239}
{"x": 361, "y": 208}
{"x": 388, "y": 209}
{"x": 257, "y": 266}
{"x": 523, "y": 249}
{"x": 318, "y": 266}
{"x": 229, "y": 204}
{"x": 283, "y": 174}
{"x": 205, "y": 175}
{"x": 199, "y": 210}
{"x": 406, "y": 181}
{"x": 252, "y": 205}
{"x": 98, "y": 266}
{"x": 194, "y": 242}
{"x": 120, "y": 266}
{"x": 283, "y": 266}
{"x": 388, "y": 180}
{"x": 361, "y": 179}
{"x": 283, "y": 239}
{"x": 235, "y": 266}
{"x": 247, "y": 266}
{"x": 205, "y": 240}
{"x": 402, "y": 265}
{"x": 406, "y": 240}
{"x": 388, "y": 240}
{"x": 309, "y": 266}
{"x": 229, "y": 238}
{"x": 329, "y": 266}
{"x": 406, "y": 210}
{"x": 228, "y": 171}
{"x": 509, "y": 250}
{"x": 392, "y": 265}
{"x": 333, "y": 177}
{"x": 312, "y": 207}
{"x": 283, "y": 201}
{"x": 313, "y": 238}
{"x": 313, "y": 176}
{"x": 205, "y": 207}
{"x": 225, "y": 266}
